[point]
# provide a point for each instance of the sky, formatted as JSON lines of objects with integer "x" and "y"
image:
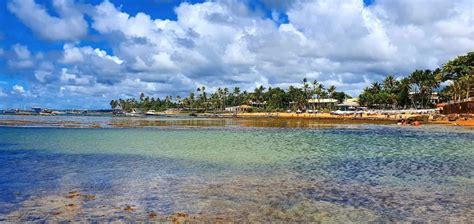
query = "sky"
{"x": 81, "y": 54}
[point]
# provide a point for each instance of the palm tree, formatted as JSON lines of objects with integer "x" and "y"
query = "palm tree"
{"x": 226, "y": 93}
{"x": 203, "y": 97}
{"x": 203, "y": 90}
{"x": 236, "y": 96}
{"x": 466, "y": 82}
{"x": 319, "y": 91}
{"x": 179, "y": 101}
{"x": 390, "y": 86}
{"x": 307, "y": 94}
{"x": 113, "y": 104}
{"x": 191, "y": 100}
{"x": 259, "y": 94}
{"x": 236, "y": 91}
{"x": 315, "y": 85}
{"x": 331, "y": 91}
{"x": 375, "y": 87}
{"x": 390, "y": 83}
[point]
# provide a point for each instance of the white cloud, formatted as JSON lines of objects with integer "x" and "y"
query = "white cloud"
{"x": 426, "y": 33}
{"x": 73, "y": 54}
{"x": 17, "y": 89}
{"x": 103, "y": 54}
{"x": 70, "y": 25}
{"x": 2, "y": 94}
{"x": 69, "y": 78}
{"x": 217, "y": 43}
{"x": 21, "y": 57}
{"x": 224, "y": 43}
{"x": 41, "y": 76}
{"x": 21, "y": 52}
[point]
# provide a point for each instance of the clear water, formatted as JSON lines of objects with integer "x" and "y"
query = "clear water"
{"x": 355, "y": 173}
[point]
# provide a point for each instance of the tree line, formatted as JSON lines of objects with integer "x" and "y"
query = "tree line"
{"x": 452, "y": 82}
{"x": 261, "y": 98}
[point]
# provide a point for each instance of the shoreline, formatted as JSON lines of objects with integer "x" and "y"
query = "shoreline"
{"x": 283, "y": 120}
{"x": 392, "y": 118}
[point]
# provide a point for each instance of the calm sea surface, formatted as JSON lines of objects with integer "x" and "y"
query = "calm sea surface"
{"x": 235, "y": 171}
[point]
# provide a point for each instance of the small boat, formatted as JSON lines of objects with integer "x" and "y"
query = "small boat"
{"x": 55, "y": 112}
{"x": 46, "y": 112}
{"x": 134, "y": 113}
{"x": 152, "y": 113}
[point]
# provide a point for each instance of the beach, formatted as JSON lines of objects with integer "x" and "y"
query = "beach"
{"x": 387, "y": 118}
{"x": 283, "y": 119}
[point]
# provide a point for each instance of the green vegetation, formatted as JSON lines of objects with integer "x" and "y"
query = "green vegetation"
{"x": 144, "y": 103}
{"x": 420, "y": 89}
{"x": 460, "y": 73}
{"x": 414, "y": 91}
{"x": 261, "y": 99}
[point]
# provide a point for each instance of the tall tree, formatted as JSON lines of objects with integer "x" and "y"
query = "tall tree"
{"x": 331, "y": 91}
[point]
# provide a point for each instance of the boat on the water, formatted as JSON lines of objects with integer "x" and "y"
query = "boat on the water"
{"x": 151, "y": 113}
{"x": 154, "y": 113}
{"x": 46, "y": 112}
{"x": 134, "y": 113}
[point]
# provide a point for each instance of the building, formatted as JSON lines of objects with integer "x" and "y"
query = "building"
{"x": 237, "y": 109}
{"x": 233, "y": 109}
{"x": 434, "y": 99}
{"x": 257, "y": 103}
{"x": 349, "y": 105}
{"x": 322, "y": 103}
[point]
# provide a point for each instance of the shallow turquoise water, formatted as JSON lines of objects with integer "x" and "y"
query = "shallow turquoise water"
{"x": 352, "y": 173}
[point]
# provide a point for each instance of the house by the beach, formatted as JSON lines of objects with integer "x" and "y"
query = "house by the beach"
{"x": 232, "y": 109}
{"x": 256, "y": 103}
{"x": 328, "y": 103}
{"x": 237, "y": 109}
{"x": 434, "y": 97}
{"x": 349, "y": 105}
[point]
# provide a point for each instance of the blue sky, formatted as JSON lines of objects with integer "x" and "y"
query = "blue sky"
{"x": 82, "y": 54}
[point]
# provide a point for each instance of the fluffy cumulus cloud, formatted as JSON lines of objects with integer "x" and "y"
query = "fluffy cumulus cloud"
{"x": 17, "y": 89}
{"x": 225, "y": 43}
{"x": 75, "y": 55}
{"x": 69, "y": 25}
{"x": 340, "y": 42}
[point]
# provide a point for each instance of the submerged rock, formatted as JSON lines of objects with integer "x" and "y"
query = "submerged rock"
{"x": 152, "y": 215}
{"x": 89, "y": 197}
{"x": 129, "y": 208}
